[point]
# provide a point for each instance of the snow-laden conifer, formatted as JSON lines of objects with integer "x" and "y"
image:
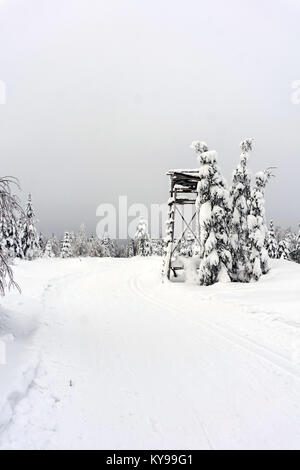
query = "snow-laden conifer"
{"x": 42, "y": 243}
{"x": 48, "y": 252}
{"x": 240, "y": 195}
{"x": 28, "y": 233}
{"x": 10, "y": 238}
{"x": 95, "y": 249}
{"x": 213, "y": 205}
{"x": 258, "y": 231}
{"x": 56, "y": 245}
{"x": 295, "y": 246}
{"x": 272, "y": 244}
{"x": 283, "y": 249}
{"x": 130, "y": 249}
{"x": 108, "y": 246}
{"x": 142, "y": 239}
{"x": 81, "y": 242}
{"x": 66, "y": 249}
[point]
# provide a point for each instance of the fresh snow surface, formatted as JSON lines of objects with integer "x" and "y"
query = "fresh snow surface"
{"x": 102, "y": 355}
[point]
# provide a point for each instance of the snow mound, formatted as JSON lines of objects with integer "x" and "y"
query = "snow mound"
{"x": 19, "y": 323}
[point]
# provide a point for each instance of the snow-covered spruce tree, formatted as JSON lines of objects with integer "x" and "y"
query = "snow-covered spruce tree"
{"x": 295, "y": 246}
{"x": 272, "y": 244}
{"x": 81, "y": 243}
{"x": 9, "y": 238}
{"x": 48, "y": 252}
{"x": 28, "y": 233}
{"x": 56, "y": 245}
{"x": 296, "y": 252}
{"x": 42, "y": 243}
{"x": 240, "y": 196}
{"x": 130, "y": 249}
{"x": 213, "y": 203}
{"x": 142, "y": 240}
{"x": 283, "y": 249}
{"x": 258, "y": 231}
{"x": 120, "y": 250}
{"x": 72, "y": 242}
{"x": 95, "y": 249}
{"x": 108, "y": 247}
{"x": 66, "y": 249}
{"x": 10, "y": 210}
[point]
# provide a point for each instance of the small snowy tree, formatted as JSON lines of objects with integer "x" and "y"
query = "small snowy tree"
{"x": 42, "y": 243}
{"x": 294, "y": 240}
{"x": 298, "y": 240}
{"x": 272, "y": 245}
{"x": 120, "y": 250}
{"x": 28, "y": 233}
{"x": 130, "y": 249}
{"x": 258, "y": 231}
{"x": 48, "y": 253}
{"x": 213, "y": 205}
{"x": 240, "y": 194}
{"x": 81, "y": 243}
{"x": 72, "y": 242}
{"x": 283, "y": 249}
{"x": 95, "y": 249}
{"x": 66, "y": 249}
{"x": 9, "y": 238}
{"x": 56, "y": 245}
{"x": 108, "y": 246}
{"x": 142, "y": 241}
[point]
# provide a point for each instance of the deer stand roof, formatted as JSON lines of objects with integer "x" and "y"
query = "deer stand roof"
{"x": 183, "y": 191}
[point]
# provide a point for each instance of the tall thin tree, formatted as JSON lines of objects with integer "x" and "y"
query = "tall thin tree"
{"x": 213, "y": 203}
{"x": 240, "y": 194}
{"x": 28, "y": 233}
{"x": 258, "y": 231}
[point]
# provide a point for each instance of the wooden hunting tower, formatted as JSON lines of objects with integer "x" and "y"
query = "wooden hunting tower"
{"x": 183, "y": 191}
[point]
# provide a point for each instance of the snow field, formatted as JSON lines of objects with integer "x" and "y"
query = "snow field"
{"x": 102, "y": 355}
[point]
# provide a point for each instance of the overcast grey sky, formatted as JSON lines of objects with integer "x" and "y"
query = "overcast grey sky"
{"x": 104, "y": 96}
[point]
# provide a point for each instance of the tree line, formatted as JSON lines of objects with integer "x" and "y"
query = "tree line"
{"x": 20, "y": 238}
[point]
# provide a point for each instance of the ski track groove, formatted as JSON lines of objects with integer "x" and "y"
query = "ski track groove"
{"x": 237, "y": 340}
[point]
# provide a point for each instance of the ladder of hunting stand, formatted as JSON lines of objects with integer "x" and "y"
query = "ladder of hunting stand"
{"x": 183, "y": 191}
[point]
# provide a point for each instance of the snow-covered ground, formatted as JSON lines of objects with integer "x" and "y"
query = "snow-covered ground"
{"x": 101, "y": 355}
